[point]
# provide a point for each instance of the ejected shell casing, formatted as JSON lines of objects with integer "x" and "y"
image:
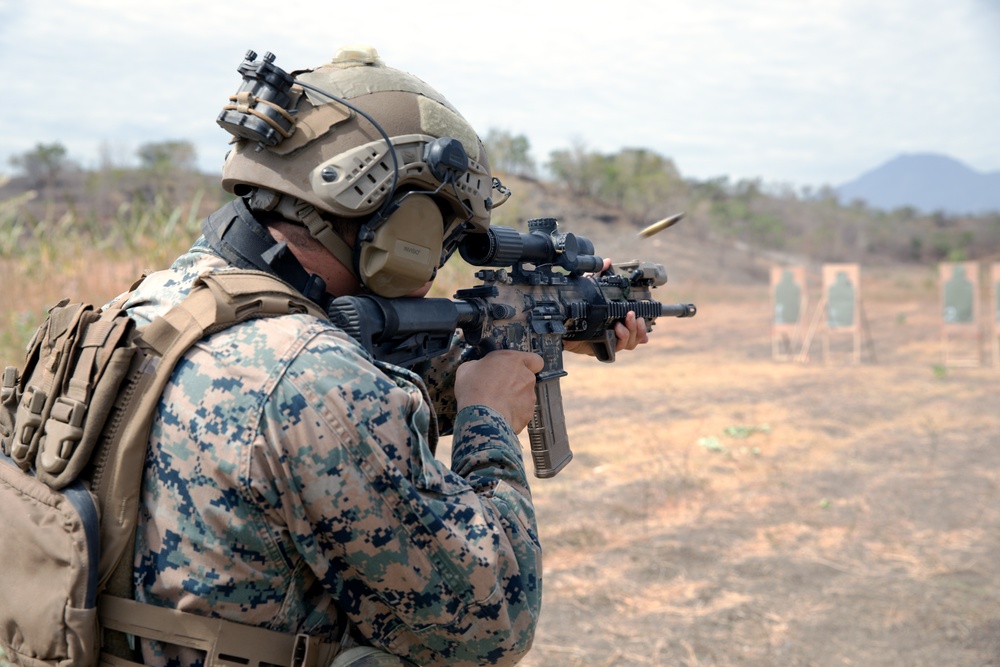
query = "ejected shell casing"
{"x": 661, "y": 225}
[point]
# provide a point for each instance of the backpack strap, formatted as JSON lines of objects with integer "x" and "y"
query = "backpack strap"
{"x": 217, "y": 301}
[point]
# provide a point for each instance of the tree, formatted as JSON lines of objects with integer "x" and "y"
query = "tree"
{"x": 508, "y": 153}
{"x": 167, "y": 156}
{"x": 641, "y": 182}
{"x": 638, "y": 181}
{"x": 42, "y": 165}
{"x": 582, "y": 171}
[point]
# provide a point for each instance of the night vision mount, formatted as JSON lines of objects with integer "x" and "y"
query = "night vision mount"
{"x": 258, "y": 110}
{"x": 262, "y": 111}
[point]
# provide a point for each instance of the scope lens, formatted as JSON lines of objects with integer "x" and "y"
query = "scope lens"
{"x": 499, "y": 246}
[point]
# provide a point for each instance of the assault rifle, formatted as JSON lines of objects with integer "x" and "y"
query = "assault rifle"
{"x": 545, "y": 287}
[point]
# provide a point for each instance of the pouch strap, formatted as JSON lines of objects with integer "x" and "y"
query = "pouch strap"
{"x": 226, "y": 644}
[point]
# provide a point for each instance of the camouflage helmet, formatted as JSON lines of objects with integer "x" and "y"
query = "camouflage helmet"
{"x": 351, "y": 138}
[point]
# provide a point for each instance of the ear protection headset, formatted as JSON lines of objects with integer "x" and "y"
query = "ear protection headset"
{"x": 398, "y": 249}
{"x": 401, "y": 253}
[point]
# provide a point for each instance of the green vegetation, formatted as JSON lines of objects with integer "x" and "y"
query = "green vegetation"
{"x": 113, "y": 205}
{"x": 65, "y": 231}
{"x": 55, "y": 210}
{"x": 742, "y": 431}
{"x": 509, "y": 154}
{"x": 646, "y": 186}
{"x": 59, "y": 222}
{"x": 79, "y": 255}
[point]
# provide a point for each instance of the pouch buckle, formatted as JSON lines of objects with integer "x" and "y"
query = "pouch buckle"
{"x": 29, "y": 418}
{"x": 63, "y": 431}
{"x": 9, "y": 387}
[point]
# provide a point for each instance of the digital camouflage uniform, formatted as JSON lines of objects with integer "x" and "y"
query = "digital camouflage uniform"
{"x": 290, "y": 476}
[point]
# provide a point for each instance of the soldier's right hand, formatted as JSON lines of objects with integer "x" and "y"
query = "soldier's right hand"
{"x": 503, "y": 380}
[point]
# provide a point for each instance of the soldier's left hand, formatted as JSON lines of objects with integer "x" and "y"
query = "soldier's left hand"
{"x": 630, "y": 334}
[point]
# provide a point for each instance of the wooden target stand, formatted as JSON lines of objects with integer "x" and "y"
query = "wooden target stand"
{"x": 961, "y": 333}
{"x": 789, "y": 301}
{"x": 995, "y": 319}
{"x": 840, "y": 313}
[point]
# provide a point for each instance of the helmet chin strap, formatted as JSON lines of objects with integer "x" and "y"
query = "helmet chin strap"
{"x": 235, "y": 234}
{"x": 297, "y": 210}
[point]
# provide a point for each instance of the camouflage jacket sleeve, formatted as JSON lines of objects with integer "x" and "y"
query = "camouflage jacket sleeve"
{"x": 439, "y": 565}
{"x": 439, "y": 375}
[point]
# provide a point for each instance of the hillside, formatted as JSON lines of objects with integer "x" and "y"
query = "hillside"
{"x": 689, "y": 250}
{"x": 731, "y": 231}
{"x": 927, "y": 183}
{"x": 112, "y": 211}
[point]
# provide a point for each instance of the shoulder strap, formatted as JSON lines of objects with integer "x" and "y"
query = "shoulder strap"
{"x": 216, "y": 301}
{"x": 220, "y": 300}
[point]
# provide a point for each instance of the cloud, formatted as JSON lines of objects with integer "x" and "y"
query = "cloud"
{"x": 803, "y": 91}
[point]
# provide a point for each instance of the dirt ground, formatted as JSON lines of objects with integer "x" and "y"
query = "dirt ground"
{"x": 726, "y": 509}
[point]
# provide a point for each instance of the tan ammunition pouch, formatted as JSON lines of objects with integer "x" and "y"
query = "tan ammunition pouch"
{"x": 74, "y": 429}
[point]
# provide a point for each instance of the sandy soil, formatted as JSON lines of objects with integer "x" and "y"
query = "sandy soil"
{"x": 724, "y": 508}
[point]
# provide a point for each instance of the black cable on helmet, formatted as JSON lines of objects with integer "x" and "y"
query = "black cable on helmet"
{"x": 385, "y": 135}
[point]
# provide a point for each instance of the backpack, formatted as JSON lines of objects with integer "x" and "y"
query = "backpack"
{"x": 74, "y": 427}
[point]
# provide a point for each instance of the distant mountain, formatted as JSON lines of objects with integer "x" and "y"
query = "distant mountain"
{"x": 928, "y": 183}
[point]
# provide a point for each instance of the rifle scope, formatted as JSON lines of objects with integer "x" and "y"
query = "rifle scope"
{"x": 542, "y": 244}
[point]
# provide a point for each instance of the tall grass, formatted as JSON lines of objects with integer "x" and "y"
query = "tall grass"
{"x": 78, "y": 256}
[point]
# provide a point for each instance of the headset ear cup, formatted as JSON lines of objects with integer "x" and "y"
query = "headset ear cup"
{"x": 406, "y": 249}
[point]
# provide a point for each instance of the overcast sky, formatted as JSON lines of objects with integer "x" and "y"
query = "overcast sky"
{"x": 803, "y": 92}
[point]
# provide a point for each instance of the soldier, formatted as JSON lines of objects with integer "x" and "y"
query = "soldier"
{"x": 290, "y": 478}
